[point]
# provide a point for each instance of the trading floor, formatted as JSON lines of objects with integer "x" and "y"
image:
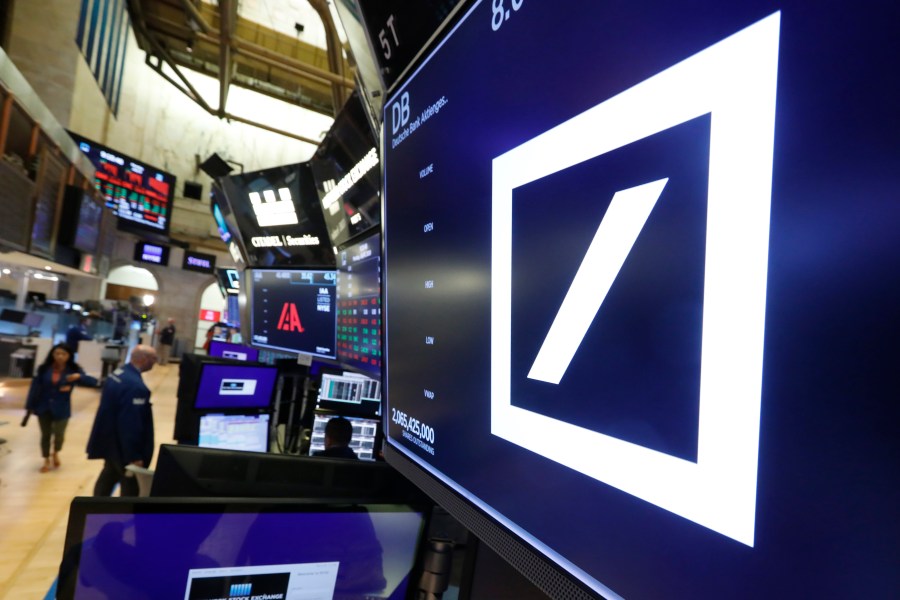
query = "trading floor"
{"x": 34, "y": 506}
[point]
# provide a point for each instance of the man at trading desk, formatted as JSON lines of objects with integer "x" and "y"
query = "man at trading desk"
{"x": 338, "y": 432}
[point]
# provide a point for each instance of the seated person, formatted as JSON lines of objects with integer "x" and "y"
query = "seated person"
{"x": 338, "y": 432}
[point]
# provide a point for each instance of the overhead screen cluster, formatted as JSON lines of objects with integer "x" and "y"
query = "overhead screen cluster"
{"x": 308, "y": 235}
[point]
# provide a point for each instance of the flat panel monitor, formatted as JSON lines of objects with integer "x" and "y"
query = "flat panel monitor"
{"x": 641, "y": 315}
{"x": 225, "y": 223}
{"x": 33, "y": 320}
{"x": 359, "y": 306}
{"x": 35, "y": 298}
{"x": 398, "y": 31}
{"x": 199, "y": 262}
{"x": 365, "y": 435}
{"x": 219, "y": 208}
{"x": 368, "y": 78}
{"x": 80, "y": 223}
{"x": 249, "y": 433}
{"x": 229, "y": 281}
{"x": 209, "y": 549}
{"x": 292, "y": 310}
{"x": 235, "y": 387}
{"x": 17, "y": 202}
{"x": 90, "y": 216}
{"x": 154, "y": 254}
{"x": 11, "y": 315}
{"x": 347, "y": 173}
{"x": 48, "y": 199}
{"x": 188, "y": 470}
{"x": 62, "y": 305}
{"x": 350, "y": 393}
{"x": 141, "y": 195}
{"x": 279, "y": 217}
{"x": 233, "y": 351}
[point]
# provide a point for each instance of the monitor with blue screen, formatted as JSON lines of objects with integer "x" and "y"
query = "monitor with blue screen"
{"x": 234, "y": 386}
{"x": 287, "y": 549}
{"x": 233, "y": 351}
{"x": 651, "y": 290}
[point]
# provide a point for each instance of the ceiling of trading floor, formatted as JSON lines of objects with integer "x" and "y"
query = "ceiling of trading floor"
{"x": 287, "y": 49}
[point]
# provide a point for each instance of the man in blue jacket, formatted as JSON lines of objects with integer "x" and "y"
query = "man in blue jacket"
{"x": 123, "y": 428}
{"x": 77, "y": 333}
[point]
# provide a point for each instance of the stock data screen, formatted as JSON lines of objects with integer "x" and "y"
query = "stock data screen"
{"x": 651, "y": 289}
{"x": 293, "y": 310}
{"x": 359, "y": 306}
{"x": 139, "y": 194}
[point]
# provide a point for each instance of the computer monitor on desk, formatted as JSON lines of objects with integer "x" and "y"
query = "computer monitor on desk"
{"x": 364, "y": 439}
{"x": 163, "y": 548}
{"x": 249, "y": 433}
{"x": 205, "y": 472}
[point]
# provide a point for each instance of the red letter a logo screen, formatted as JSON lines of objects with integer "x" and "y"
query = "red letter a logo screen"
{"x": 290, "y": 319}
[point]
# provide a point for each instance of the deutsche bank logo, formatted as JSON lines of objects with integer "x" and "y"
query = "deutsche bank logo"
{"x": 734, "y": 81}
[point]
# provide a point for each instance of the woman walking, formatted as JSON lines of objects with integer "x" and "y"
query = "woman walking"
{"x": 50, "y": 398}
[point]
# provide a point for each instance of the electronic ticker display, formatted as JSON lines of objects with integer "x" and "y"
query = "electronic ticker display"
{"x": 155, "y": 254}
{"x": 293, "y": 310}
{"x": 141, "y": 195}
{"x": 359, "y": 306}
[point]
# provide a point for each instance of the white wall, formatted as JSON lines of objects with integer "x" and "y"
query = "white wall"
{"x": 133, "y": 277}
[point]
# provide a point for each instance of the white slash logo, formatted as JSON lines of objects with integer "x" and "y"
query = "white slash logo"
{"x": 614, "y": 239}
{"x": 734, "y": 81}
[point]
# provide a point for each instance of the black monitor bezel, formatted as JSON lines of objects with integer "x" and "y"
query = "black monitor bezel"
{"x": 81, "y": 507}
{"x": 236, "y": 415}
{"x": 234, "y": 365}
{"x": 139, "y": 251}
{"x": 124, "y": 223}
{"x": 248, "y": 291}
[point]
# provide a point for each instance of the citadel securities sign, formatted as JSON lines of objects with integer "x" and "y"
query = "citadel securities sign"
{"x": 278, "y": 241}
{"x": 734, "y": 80}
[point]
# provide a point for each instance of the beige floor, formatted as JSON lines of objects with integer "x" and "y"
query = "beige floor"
{"x": 34, "y": 506}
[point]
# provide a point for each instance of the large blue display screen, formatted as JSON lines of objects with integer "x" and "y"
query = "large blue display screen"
{"x": 641, "y": 289}
{"x": 208, "y": 551}
{"x": 235, "y": 387}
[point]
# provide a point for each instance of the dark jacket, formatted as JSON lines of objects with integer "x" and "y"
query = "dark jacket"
{"x": 46, "y": 397}
{"x": 167, "y": 335}
{"x": 75, "y": 334}
{"x": 123, "y": 427}
{"x": 336, "y": 452}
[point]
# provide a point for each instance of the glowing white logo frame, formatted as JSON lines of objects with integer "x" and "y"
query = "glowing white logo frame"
{"x": 272, "y": 212}
{"x": 735, "y": 81}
